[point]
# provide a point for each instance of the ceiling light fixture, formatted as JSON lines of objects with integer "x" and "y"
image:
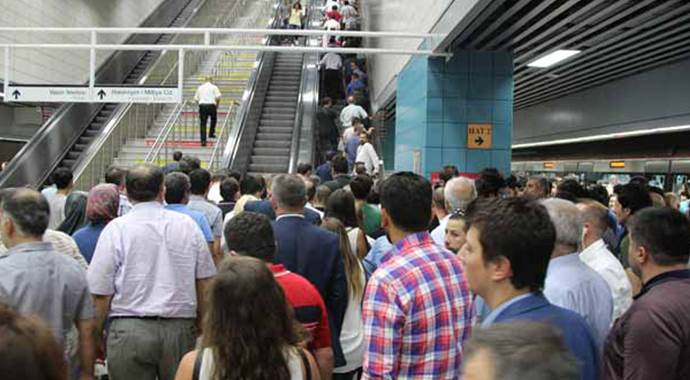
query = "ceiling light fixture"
{"x": 606, "y": 136}
{"x": 553, "y": 58}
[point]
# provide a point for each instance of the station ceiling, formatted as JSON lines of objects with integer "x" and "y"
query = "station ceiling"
{"x": 618, "y": 38}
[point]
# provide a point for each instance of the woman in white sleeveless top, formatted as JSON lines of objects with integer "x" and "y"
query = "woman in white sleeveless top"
{"x": 341, "y": 205}
{"x": 352, "y": 332}
{"x": 248, "y": 330}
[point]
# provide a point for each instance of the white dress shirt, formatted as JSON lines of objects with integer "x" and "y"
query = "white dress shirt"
{"x": 332, "y": 61}
{"x": 367, "y": 155}
{"x": 149, "y": 260}
{"x": 439, "y": 233}
{"x": 599, "y": 258}
{"x": 57, "y": 210}
{"x": 330, "y": 4}
{"x": 350, "y": 112}
{"x": 207, "y": 93}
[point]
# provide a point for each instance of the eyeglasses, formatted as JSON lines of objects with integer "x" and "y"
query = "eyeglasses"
{"x": 458, "y": 212}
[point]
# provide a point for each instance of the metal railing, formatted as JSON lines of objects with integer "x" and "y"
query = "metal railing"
{"x": 184, "y": 117}
{"x": 216, "y": 160}
{"x": 169, "y": 134}
{"x": 127, "y": 123}
{"x": 130, "y": 125}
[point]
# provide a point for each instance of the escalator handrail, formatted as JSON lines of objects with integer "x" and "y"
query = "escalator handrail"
{"x": 305, "y": 87}
{"x": 230, "y": 154}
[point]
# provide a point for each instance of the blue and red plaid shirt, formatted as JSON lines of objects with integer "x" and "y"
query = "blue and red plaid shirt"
{"x": 417, "y": 313}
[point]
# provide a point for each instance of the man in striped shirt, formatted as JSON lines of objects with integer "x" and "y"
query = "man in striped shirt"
{"x": 417, "y": 307}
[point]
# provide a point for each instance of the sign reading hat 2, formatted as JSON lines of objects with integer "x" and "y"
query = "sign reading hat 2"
{"x": 479, "y": 136}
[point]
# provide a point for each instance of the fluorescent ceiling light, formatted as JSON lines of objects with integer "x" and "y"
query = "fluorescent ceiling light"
{"x": 607, "y": 136}
{"x": 553, "y": 58}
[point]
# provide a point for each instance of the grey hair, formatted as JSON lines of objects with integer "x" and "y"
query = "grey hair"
{"x": 27, "y": 208}
{"x": 567, "y": 219}
{"x": 459, "y": 192}
{"x": 289, "y": 191}
{"x": 524, "y": 350}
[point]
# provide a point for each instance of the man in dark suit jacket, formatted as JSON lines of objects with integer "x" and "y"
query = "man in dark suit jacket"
{"x": 508, "y": 248}
{"x": 340, "y": 169}
{"x": 310, "y": 251}
{"x": 264, "y": 207}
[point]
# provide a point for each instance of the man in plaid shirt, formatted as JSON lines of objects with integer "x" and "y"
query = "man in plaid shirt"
{"x": 417, "y": 307}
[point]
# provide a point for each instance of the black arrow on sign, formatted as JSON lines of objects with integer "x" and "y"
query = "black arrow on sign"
{"x": 479, "y": 140}
{"x": 16, "y": 94}
{"x": 101, "y": 94}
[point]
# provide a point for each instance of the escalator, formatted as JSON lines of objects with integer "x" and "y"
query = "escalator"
{"x": 96, "y": 124}
{"x": 69, "y": 132}
{"x": 276, "y": 124}
{"x": 271, "y": 152}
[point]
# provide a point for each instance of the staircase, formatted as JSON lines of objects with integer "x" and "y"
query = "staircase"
{"x": 96, "y": 125}
{"x": 271, "y": 150}
{"x": 231, "y": 77}
{"x": 231, "y": 85}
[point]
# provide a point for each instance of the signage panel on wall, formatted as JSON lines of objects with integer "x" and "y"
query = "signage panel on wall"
{"x": 479, "y": 136}
{"x": 82, "y": 94}
{"x": 136, "y": 94}
{"x": 57, "y": 94}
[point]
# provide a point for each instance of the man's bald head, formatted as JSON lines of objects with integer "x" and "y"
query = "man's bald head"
{"x": 458, "y": 193}
{"x": 144, "y": 183}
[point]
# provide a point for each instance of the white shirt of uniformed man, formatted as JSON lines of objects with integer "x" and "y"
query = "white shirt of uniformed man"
{"x": 207, "y": 93}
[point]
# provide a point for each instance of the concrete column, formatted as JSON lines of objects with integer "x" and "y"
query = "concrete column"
{"x": 439, "y": 101}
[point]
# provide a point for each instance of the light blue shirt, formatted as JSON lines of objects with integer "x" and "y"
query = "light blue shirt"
{"x": 379, "y": 249}
{"x": 572, "y": 285}
{"x": 149, "y": 261}
{"x": 213, "y": 214}
{"x": 198, "y": 217}
{"x": 489, "y": 320}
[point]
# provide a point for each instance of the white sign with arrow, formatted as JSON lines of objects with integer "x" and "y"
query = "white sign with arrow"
{"x": 136, "y": 95}
{"x": 59, "y": 94}
{"x": 82, "y": 94}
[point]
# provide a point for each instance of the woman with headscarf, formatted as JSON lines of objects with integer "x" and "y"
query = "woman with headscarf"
{"x": 75, "y": 213}
{"x": 101, "y": 207}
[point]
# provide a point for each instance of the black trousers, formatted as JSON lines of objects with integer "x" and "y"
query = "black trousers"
{"x": 206, "y": 111}
{"x": 334, "y": 85}
{"x": 356, "y": 374}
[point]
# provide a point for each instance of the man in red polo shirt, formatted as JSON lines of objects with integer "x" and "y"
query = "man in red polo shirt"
{"x": 251, "y": 234}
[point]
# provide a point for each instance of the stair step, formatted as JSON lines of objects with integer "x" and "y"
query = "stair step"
{"x": 272, "y": 144}
{"x": 259, "y": 168}
{"x": 274, "y": 136}
{"x": 284, "y": 152}
{"x": 275, "y": 129}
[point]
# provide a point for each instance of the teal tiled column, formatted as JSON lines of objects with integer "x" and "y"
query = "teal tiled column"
{"x": 437, "y": 100}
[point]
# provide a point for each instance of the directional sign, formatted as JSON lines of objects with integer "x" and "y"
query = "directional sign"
{"x": 60, "y": 94}
{"x": 136, "y": 95}
{"x": 479, "y": 136}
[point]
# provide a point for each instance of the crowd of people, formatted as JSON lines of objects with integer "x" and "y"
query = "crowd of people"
{"x": 175, "y": 273}
{"x": 339, "y": 271}
{"x": 344, "y": 124}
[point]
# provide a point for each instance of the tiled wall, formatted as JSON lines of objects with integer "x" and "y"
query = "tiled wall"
{"x": 472, "y": 87}
{"x": 62, "y": 66}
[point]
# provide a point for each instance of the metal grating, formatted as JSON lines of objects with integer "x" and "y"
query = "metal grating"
{"x": 618, "y": 38}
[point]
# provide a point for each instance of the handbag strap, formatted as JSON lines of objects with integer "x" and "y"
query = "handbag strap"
{"x": 197, "y": 364}
{"x": 305, "y": 363}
